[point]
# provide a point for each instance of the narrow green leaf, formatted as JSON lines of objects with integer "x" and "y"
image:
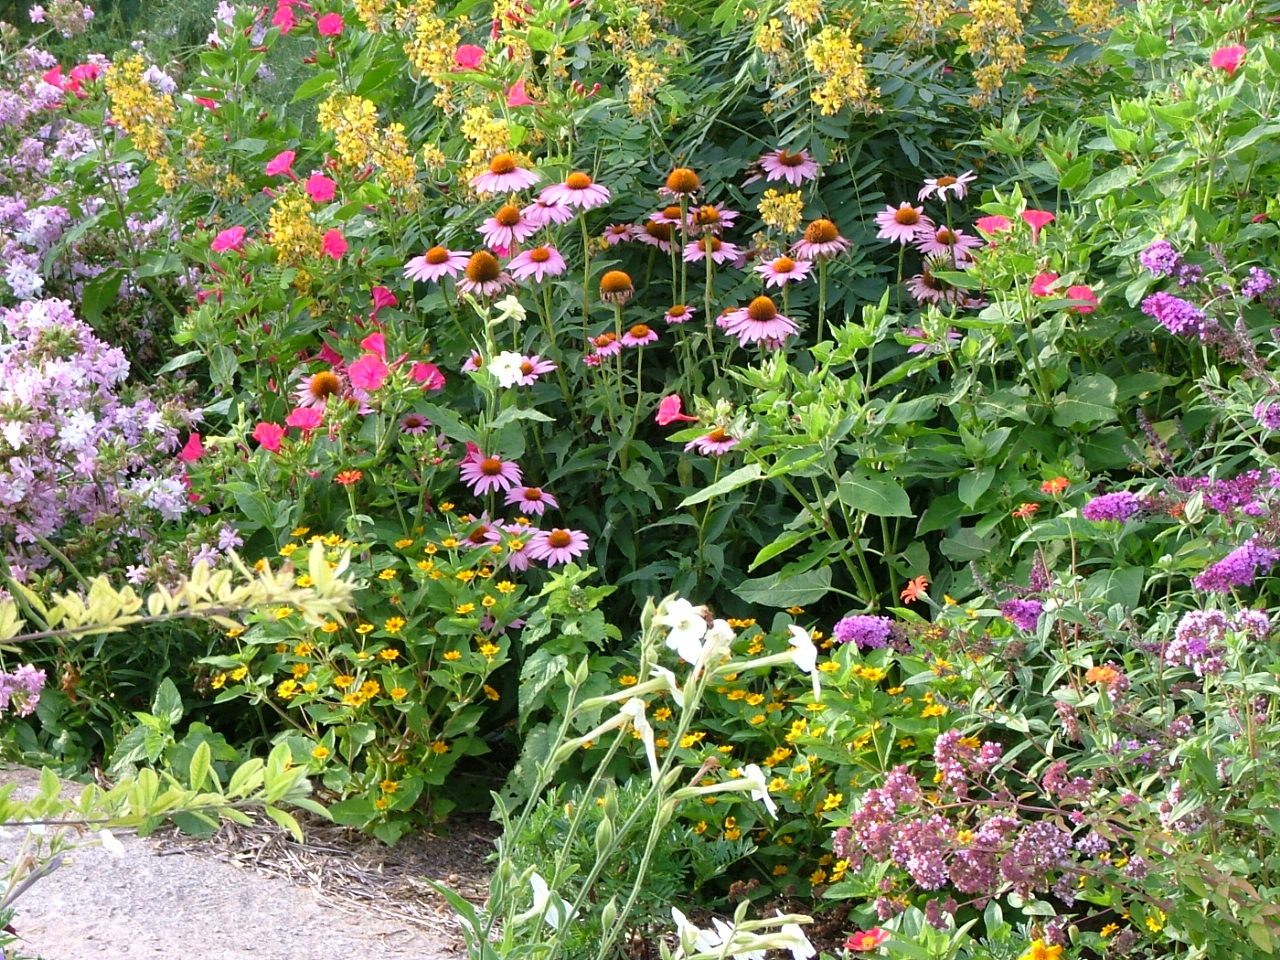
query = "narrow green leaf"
{"x": 739, "y": 478}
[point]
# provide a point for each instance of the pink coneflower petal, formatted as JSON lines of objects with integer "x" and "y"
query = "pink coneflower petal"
{"x": 503, "y": 176}
{"x": 607, "y": 344}
{"x": 902, "y": 225}
{"x": 617, "y": 233}
{"x": 538, "y": 263}
{"x": 656, "y": 234}
{"x": 782, "y": 270}
{"x": 940, "y": 187}
{"x": 578, "y": 190}
{"x": 680, "y": 313}
{"x": 484, "y": 473}
{"x": 639, "y": 335}
{"x": 414, "y": 424}
{"x": 315, "y": 389}
{"x": 943, "y": 241}
{"x": 507, "y": 227}
{"x": 542, "y": 213}
{"x": 531, "y": 500}
{"x": 821, "y": 241}
{"x": 436, "y": 263}
{"x": 713, "y": 218}
{"x": 757, "y": 322}
{"x": 714, "y": 444}
{"x": 795, "y": 168}
{"x": 531, "y": 368}
{"x": 721, "y": 251}
{"x": 557, "y": 546}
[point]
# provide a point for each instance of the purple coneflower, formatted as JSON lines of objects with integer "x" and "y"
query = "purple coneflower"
{"x": 639, "y": 335}
{"x": 759, "y": 321}
{"x": 507, "y": 227}
{"x": 947, "y": 242}
{"x": 578, "y": 190}
{"x": 541, "y": 212}
{"x": 616, "y": 233}
{"x": 668, "y": 215}
{"x": 557, "y": 546}
{"x": 782, "y": 270}
{"x": 483, "y": 534}
{"x": 656, "y": 234}
{"x": 712, "y": 218}
{"x": 484, "y": 473}
{"x": 821, "y": 239}
{"x": 902, "y": 225}
{"x": 940, "y": 186}
{"x": 484, "y": 275}
{"x": 607, "y": 344}
{"x": 473, "y": 363}
{"x": 503, "y": 175}
{"x": 531, "y": 368}
{"x": 720, "y": 250}
{"x": 795, "y": 168}
{"x": 680, "y": 313}
{"x": 531, "y": 500}
{"x": 928, "y": 345}
{"x": 681, "y": 182}
{"x": 414, "y": 424}
{"x": 927, "y": 287}
{"x": 436, "y": 263}
{"x": 316, "y": 389}
{"x": 539, "y": 263}
{"x": 714, "y": 444}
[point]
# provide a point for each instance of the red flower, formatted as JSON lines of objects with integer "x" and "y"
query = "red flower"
{"x": 1037, "y": 219}
{"x": 375, "y": 343}
{"x": 330, "y": 25}
{"x": 1025, "y": 510}
{"x": 320, "y": 188}
{"x": 992, "y": 225}
{"x": 193, "y": 450}
{"x": 1042, "y": 285}
{"x": 1055, "y": 486}
{"x": 348, "y": 477}
{"x": 427, "y": 374}
{"x": 1228, "y": 59}
{"x": 369, "y": 372}
{"x": 469, "y": 56}
{"x": 1081, "y": 292}
{"x": 866, "y": 939}
{"x": 915, "y": 589}
{"x": 281, "y": 163}
{"x": 669, "y": 411}
{"x": 229, "y": 239}
{"x": 334, "y": 243}
{"x": 516, "y": 97}
{"x": 269, "y": 435}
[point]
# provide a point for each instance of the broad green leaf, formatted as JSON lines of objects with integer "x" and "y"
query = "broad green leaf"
{"x": 201, "y": 763}
{"x": 782, "y": 544}
{"x": 167, "y": 704}
{"x": 779, "y": 591}
{"x": 876, "y": 495}
{"x": 1088, "y": 400}
{"x": 739, "y": 478}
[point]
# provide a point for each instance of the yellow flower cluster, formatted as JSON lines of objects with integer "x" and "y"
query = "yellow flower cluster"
{"x": 643, "y": 80}
{"x": 353, "y": 121}
{"x": 370, "y": 13}
{"x": 770, "y": 38}
{"x": 431, "y": 45}
{"x": 293, "y": 233}
{"x": 782, "y": 211}
{"x": 838, "y": 61}
{"x": 991, "y": 35}
{"x": 399, "y": 171}
{"x": 1092, "y": 16}
{"x": 924, "y": 21}
{"x": 136, "y": 108}
{"x": 803, "y": 13}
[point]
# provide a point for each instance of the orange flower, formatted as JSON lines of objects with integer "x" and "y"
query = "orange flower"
{"x": 915, "y": 589}
{"x": 1055, "y": 486}
{"x": 348, "y": 477}
{"x": 1026, "y": 510}
{"x": 1103, "y": 674}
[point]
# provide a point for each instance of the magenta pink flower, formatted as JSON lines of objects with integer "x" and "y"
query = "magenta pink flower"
{"x": 782, "y": 270}
{"x": 539, "y": 263}
{"x": 320, "y": 188}
{"x": 193, "y": 450}
{"x": 334, "y": 243}
{"x": 382, "y": 297}
{"x": 542, "y": 212}
{"x": 269, "y": 435}
{"x": 902, "y": 225}
{"x": 436, "y": 263}
{"x": 619, "y": 233}
{"x": 1081, "y": 292}
{"x": 992, "y": 225}
{"x": 714, "y": 444}
{"x": 1042, "y": 284}
{"x": 1037, "y": 219}
{"x": 720, "y": 250}
{"x": 795, "y": 168}
{"x": 531, "y": 368}
{"x": 281, "y": 163}
{"x": 469, "y": 56}
{"x": 669, "y": 411}
{"x": 1228, "y": 59}
{"x": 757, "y": 322}
{"x": 516, "y": 97}
{"x": 504, "y": 175}
{"x": 369, "y": 372}
{"x": 943, "y": 241}
{"x": 375, "y": 343}
{"x": 305, "y": 419}
{"x": 483, "y": 473}
{"x": 230, "y": 239}
{"x": 639, "y": 335}
{"x": 427, "y": 374}
{"x": 330, "y": 25}
{"x": 556, "y": 546}
{"x": 530, "y": 500}
{"x": 941, "y": 186}
{"x": 283, "y": 17}
{"x": 680, "y": 313}
{"x": 578, "y": 190}
{"x": 507, "y": 227}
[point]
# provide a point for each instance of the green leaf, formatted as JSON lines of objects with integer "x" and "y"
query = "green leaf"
{"x": 198, "y": 769}
{"x": 286, "y": 820}
{"x": 541, "y": 40}
{"x": 167, "y": 704}
{"x": 782, "y": 544}
{"x": 511, "y": 414}
{"x": 1110, "y": 182}
{"x": 878, "y": 496}
{"x": 1089, "y": 399}
{"x": 778, "y": 590}
{"x": 317, "y": 84}
{"x": 974, "y": 484}
{"x": 100, "y": 293}
{"x": 739, "y": 478}
{"x": 1260, "y": 934}
{"x": 180, "y": 361}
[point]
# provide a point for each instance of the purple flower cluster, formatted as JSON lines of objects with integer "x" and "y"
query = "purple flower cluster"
{"x": 1238, "y": 568}
{"x": 1112, "y": 506}
{"x": 1241, "y": 492}
{"x": 1267, "y": 413}
{"x": 1199, "y": 640}
{"x": 1178, "y": 316}
{"x": 1022, "y": 613}
{"x": 1258, "y": 283}
{"x": 21, "y": 689}
{"x": 1161, "y": 259}
{"x": 869, "y": 633}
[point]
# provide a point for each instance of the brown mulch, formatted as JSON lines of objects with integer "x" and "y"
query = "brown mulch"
{"x": 358, "y": 873}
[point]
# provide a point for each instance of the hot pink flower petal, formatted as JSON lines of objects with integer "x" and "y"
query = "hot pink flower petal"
{"x": 207, "y": 103}
{"x": 283, "y": 17}
{"x": 469, "y": 56}
{"x": 516, "y": 97}
{"x": 1228, "y": 59}
{"x": 1081, "y": 292}
{"x": 1042, "y": 285}
{"x": 375, "y": 343}
{"x": 193, "y": 450}
{"x": 282, "y": 162}
{"x": 992, "y": 225}
{"x": 369, "y": 372}
{"x": 320, "y": 188}
{"x": 669, "y": 410}
{"x": 269, "y": 435}
{"x": 1037, "y": 219}
{"x": 383, "y": 297}
{"x": 427, "y": 374}
{"x": 230, "y": 239}
{"x": 305, "y": 419}
{"x": 330, "y": 25}
{"x": 334, "y": 243}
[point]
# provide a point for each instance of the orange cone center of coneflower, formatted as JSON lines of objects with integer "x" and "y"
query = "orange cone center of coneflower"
{"x": 616, "y": 281}
{"x": 559, "y": 538}
{"x": 532, "y": 493}
{"x": 671, "y": 213}
{"x": 710, "y": 244}
{"x": 577, "y": 181}
{"x": 526, "y": 367}
{"x": 683, "y": 180}
{"x": 945, "y": 181}
{"x": 508, "y": 216}
{"x": 414, "y": 421}
{"x": 821, "y": 231}
{"x": 491, "y": 466}
{"x": 706, "y": 216}
{"x": 761, "y": 310}
{"x": 784, "y": 265}
{"x": 324, "y": 384}
{"x": 604, "y": 340}
{"x": 790, "y": 159}
{"x": 718, "y": 435}
{"x": 679, "y": 310}
{"x": 483, "y": 267}
{"x": 639, "y": 331}
{"x": 539, "y": 254}
{"x": 437, "y": 255}
{"x": 502, "y": 163}
{"x": 618, "y": 230}
{"x": 932, "y": 282}
{"x": 478, "y": 534}
{"x": 659, "y": 231}
{"x": 945, "y": 236}
{"x": 906, "y": 216}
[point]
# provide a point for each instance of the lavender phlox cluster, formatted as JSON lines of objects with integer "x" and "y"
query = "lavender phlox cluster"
{"x": 21, "y": 689}
{"x": 1040, "y": 848}
{"x": 921, "y": 848}
{"x": 1023, "y": 613}
{"x": 1257, "y": 284}
{"x": 868, "y": 632}
{"x": 1161, "y": 259}
{"x": 1238, "y": 568}
{"x": 1240, "y": 492}
{"x": 1058, "y": 784}
{"x": 1120, "y": 505}
{"x": 1199, "y": 639}
{"x": 1267, "y": 413}
{"x": 1176, "y": 315}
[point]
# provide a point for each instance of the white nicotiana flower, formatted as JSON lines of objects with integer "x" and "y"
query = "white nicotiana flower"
{"x": 792, "y": 938}
{"x": 633, "y": 710}
{"x": 111, "y": 843}
{"x": 726, "y": 937}
{"x": 505, "y": 368}
{"x": 509, "y": 307}
{"x": 686, "y": 627}
{"x": 693, "y": 939}
{"x": 805, "y": 656}
{"x": 543, "y": 907}
{"x": 754, "y": 777}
